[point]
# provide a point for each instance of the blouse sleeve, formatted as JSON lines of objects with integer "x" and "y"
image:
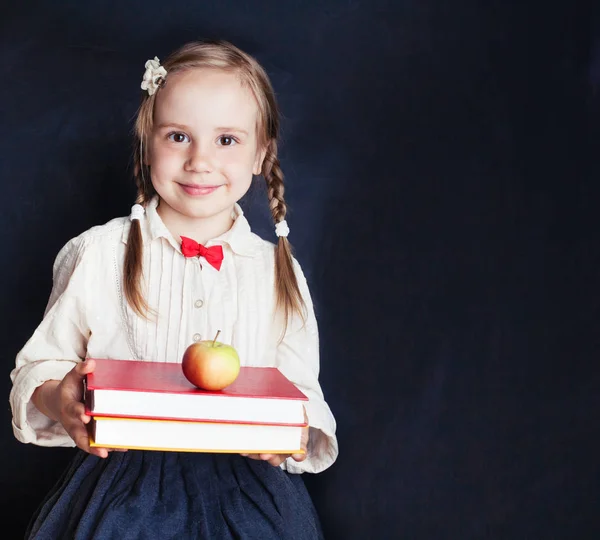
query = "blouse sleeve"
{"x": 298, "y": 360}
{"x": 58, "y": 343}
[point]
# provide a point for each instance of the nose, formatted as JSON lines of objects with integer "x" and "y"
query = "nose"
{"x": 199, "y": 159}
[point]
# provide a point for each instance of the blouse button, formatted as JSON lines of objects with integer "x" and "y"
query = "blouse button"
{"x": 198, "y": 303}
{"x": 196, "y": 337}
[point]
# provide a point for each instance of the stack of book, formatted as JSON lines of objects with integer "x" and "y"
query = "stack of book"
{"x": 152, "y": 406}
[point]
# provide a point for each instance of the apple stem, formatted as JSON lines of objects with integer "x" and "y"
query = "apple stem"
{"x": 215, "y": 340}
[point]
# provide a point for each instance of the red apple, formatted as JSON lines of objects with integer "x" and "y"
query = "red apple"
{"x": 210, "y": 364}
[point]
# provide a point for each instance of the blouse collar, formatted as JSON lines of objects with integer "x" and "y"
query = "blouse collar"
{"x": 238, "y": 238}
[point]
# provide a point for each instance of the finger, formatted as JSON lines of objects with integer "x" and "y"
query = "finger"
{"x": 298, "y": 457}
{"x": 100, "y": 452}
{"x": 277, "y": 460}
{"x": 82, "y": 414}
{"x": 80, "y": 436}
{"x": 79, "y": 433}
{"x": 75, "y": 410}
{"x": 273, "y": 459}
{"x": 301, "y": 456}
{"x": 85, "y": 367}
{"x": 117, "y": 449}
{"x": 304, "y": 439}
{"x": 78, "y": 373}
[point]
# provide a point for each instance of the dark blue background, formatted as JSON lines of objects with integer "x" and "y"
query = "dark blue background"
{"x": 442, "y": 171}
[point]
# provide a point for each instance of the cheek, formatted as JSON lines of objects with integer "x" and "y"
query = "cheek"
{"x": 238, "y": 163}
{"x": 164, "y": 159}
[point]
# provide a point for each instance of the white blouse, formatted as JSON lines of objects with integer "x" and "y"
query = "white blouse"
{"x": 88, "y": 316}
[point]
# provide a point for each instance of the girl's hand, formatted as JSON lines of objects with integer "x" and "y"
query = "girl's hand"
{"x": 278, "y": 459}
{"x": 62, "y": 401}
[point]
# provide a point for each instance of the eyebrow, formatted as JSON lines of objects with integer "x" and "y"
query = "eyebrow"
{"x": 232, "y": 129}
{"x": 185, "y": 128}
{"x": 171, "y": 125}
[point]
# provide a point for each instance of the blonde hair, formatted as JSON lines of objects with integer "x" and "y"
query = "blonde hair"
{"x": 223, "y": 56}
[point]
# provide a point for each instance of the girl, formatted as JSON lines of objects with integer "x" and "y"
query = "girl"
{"x": 183, "y": 265}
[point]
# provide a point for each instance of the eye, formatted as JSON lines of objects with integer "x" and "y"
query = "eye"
{"x": 178, "y": 137}
{"x": 227, "y": 140}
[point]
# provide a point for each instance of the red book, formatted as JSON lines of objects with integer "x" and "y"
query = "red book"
{"x": 159, "y": 390}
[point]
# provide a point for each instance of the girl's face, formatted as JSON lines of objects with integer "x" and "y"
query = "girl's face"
{"x": 203, "y": 149}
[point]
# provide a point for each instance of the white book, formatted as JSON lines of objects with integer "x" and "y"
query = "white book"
{"x": 177, "y": 435}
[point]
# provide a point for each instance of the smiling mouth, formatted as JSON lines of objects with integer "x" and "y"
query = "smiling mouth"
{"x": 192, "y": 189}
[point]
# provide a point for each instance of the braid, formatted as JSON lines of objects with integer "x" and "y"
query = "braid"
{"x": 132, "y": 268}
{"x": 141, "y": 173}
{"x": 288, "y": 296}
{"x": 275, "y": 188}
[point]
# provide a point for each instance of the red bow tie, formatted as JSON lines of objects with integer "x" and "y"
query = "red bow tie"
{"x": 213, "y": 254}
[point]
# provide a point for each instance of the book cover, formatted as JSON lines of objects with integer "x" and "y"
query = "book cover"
{"x": 141, "y": 376}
